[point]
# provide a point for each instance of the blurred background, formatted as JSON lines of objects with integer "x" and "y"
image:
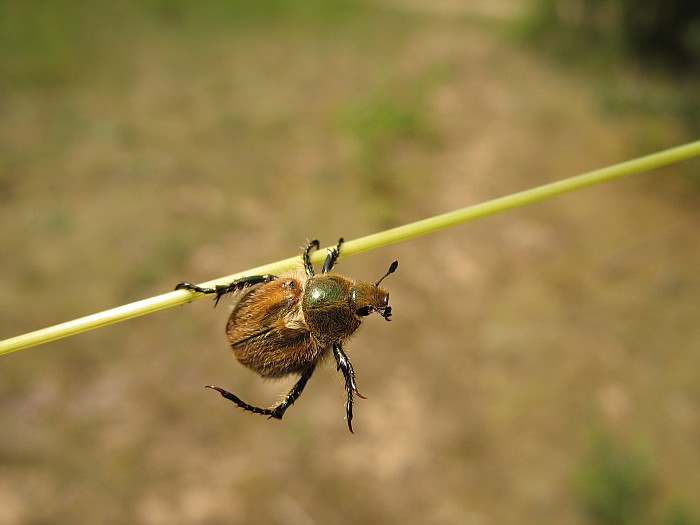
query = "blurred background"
{"x": 542, "y": 366}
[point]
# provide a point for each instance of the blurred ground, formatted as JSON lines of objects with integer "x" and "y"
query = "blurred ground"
{"x": 540, "y": 364}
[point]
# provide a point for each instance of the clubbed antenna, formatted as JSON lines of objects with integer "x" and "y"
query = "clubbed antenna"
{"x": 392, "y": 269}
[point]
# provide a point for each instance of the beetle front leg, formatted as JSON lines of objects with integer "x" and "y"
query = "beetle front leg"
{"x": 345, "y": 366}
{"x": 332, "y": 256}
{"x": 305, "y": 256}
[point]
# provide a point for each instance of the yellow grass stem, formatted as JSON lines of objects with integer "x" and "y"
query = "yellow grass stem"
{"x": 401, "y": 233}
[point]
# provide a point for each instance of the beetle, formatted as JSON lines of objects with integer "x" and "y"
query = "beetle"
{"x": 284, "y": 325}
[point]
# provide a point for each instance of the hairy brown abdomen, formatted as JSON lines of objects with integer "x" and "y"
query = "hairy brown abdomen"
{"x": 267, "y": 332}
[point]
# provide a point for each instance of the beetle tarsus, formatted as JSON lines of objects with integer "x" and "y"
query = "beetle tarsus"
{"x": 222, "y": 289}
{"x": 193, "y": 287}
{"x": 242, "y": 404}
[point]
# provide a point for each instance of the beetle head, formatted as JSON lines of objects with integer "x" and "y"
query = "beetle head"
{"x": 366, "y": 298}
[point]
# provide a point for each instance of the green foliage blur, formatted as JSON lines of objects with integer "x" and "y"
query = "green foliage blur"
{"x": 47, "y": 43}
{"x": 616, "y": 485}
{"x": 657, "y": 42}
{"x": 663, "y": 34}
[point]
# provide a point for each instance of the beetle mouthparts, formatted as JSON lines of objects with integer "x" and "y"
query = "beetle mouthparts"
{"x": 386, "y": 313}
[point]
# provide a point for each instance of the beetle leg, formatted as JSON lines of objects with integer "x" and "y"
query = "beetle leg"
{"x": 222, "y": 289}
{"x": 278, "y": 411}
{"x": 349, "y": 373}
{"x": 332, "y": 256}
{"x": 293, "y": 394}
{"x": 235, "y": 399}
{"x": 305, "y": 256}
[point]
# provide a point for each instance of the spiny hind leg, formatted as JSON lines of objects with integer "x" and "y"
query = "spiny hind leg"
{"x": 275, "y": 412}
